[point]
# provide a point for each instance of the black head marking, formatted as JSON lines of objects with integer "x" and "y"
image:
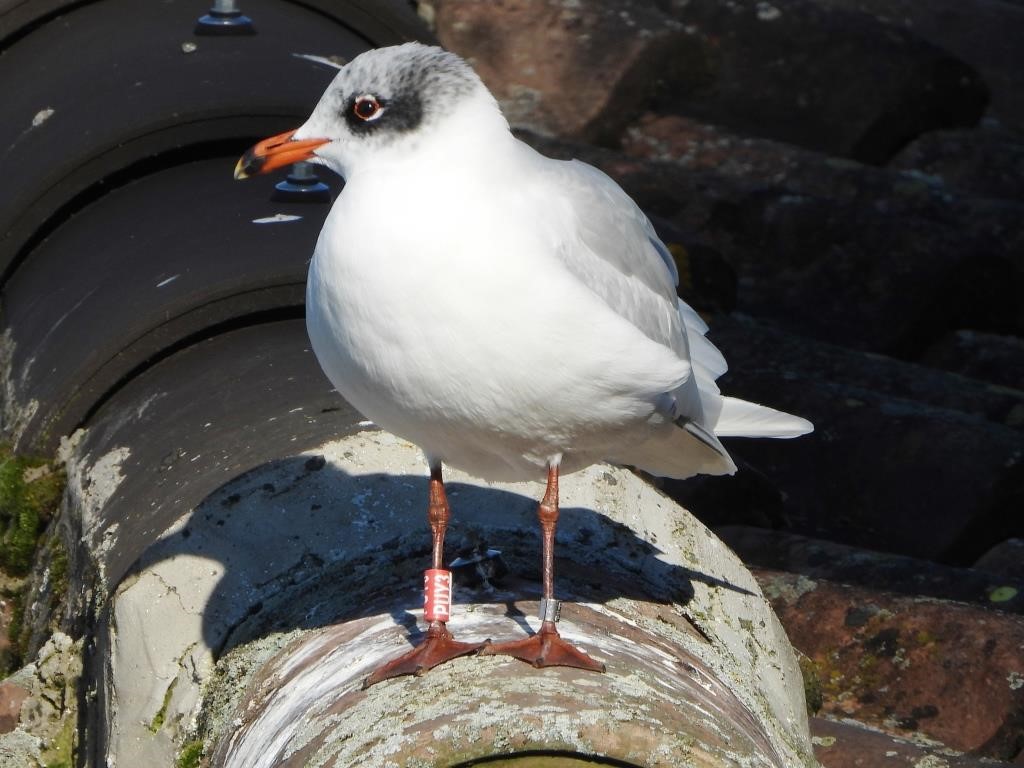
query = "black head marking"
{"x": 413, "y": 84}
{"x": 398, "y": 114}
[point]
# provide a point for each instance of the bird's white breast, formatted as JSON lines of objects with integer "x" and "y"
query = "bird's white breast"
{"x": 436, "y": 308}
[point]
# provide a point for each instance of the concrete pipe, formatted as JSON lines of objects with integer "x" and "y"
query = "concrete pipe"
{"x": 249, "y": 625}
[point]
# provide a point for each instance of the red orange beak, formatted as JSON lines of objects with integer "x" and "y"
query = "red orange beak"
{"x": 275, "y": 152}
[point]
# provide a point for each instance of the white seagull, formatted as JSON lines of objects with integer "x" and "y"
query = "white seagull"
{"x": 510, "y": 314}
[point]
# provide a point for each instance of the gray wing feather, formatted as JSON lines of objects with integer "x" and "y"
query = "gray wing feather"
{"x": 612, "y": 248}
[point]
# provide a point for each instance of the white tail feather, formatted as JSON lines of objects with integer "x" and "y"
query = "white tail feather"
{"x": 691, "y": 319}
{"x": 739, "y": 418}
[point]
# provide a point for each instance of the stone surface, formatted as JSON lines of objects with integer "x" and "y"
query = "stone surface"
{"x": 45, "y": 693}
{"x": 984, "y": 33}
{"x": 984, "y": 356}
{"x": 548, "y": 64}
{"x": 986, "y": 163}
{"x": 700, "y": 146}
{"x": 12, "y": 696}
{"x": 1004, "y": 559}
{"x": 753, "y": 345}
{"x": 20, "y": 750}
{"x": 910, "y": 666}
{"x": 888, "y": 276}
{"x": 849, "y": 744}
{"x": 990, "y": 583}
{"x": 284, "y": 556}
{"x": 762, "y": 84}
{"x": 732, "y": 65}
{"x": 707, "y": 282}
{"x": 903, "y": 458}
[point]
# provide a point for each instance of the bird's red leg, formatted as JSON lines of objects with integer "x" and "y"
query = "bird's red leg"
{"x": 439, "y": 645}
{"x": 547, "y": 648}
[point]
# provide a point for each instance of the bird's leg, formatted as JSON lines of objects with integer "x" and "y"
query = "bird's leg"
{"x": 547, "y": 648}
{"x": 439, "y": 645}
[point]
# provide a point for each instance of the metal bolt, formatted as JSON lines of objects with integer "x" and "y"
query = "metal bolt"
{"x": 302, "y": 170}
{"x": 301, "y": 186}
{"x": 225, "y": 18}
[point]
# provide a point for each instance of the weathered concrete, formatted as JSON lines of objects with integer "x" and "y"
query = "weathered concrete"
{"x": 659, "y": 704}
{"x": 272, "y": 573}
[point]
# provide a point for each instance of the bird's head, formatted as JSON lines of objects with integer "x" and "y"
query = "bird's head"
{"x": 383, "y": 102}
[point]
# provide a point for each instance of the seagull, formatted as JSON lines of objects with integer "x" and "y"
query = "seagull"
{"x": 513, "y": 315}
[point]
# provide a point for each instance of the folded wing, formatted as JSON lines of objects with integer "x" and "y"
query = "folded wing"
{"x": 612, "y": 248}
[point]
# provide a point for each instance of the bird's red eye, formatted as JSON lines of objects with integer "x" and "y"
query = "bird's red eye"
{"x": 367, "y": 108}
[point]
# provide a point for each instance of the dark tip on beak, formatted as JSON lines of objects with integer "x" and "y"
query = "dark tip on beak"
{"x": 250, "y": 164}
{"x": 275, "y": 152}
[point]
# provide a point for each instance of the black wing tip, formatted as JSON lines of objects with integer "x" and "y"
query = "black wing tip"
{"x": 703, "y": 435}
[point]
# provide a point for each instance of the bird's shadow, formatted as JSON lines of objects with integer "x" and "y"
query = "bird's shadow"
{"x": 302, "y": 544}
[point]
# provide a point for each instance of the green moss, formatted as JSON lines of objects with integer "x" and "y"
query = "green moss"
{"x": 813, "y": 688}
{"x": 1002, "y": 594}
{"x": 190, "y": 755}
{"x": 20, "y": 521}
{"x": 58, "y": 572}
{"x": 61, "y": 752}
{"x": 26, "y": 506}
{"x": 30, "y": 493}
{"x": 58, "y": 565}
{"x": 158, "y": 719}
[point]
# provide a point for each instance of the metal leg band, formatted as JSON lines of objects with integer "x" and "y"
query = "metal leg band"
{"x": 550, "y": 610}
